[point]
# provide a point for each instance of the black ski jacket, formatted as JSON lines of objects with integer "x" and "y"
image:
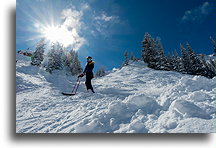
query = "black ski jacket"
{"x": 89, "y": 69}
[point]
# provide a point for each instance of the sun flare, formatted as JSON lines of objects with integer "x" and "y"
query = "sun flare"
{"x": 60, "y": 34}
{"x": 52, "y": 33}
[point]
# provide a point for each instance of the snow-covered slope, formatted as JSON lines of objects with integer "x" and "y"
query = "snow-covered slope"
{"x": 134, "y": 99}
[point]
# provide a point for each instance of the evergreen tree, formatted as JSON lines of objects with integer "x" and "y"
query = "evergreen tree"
{"x": 100, "y": 72}
{"x": 149, "y": 53}
{"x": 62, "y": 55}
{"x": 168, "y": 63}
{"x": 126, "y": 62}
{"x": 132, "y": 58}
{"x": 63, "y": 52}
{"x": 180, "y": 65}
{"x": 54, "y": 57}
{"x": 184, "y": 59}
{"x": 72, "y": 63}
{"x": 38, "y": 55}
{"x": 77, "y": 66}
{"x": 214, "y": 44}
{"x": 194, "y": 62}
{"x": 212, "y": 65}
{"x": 174, "y": 61}
{"x": 160, "y": 57}
{"x": 67, "y": 62}
{"x": 206, "y": 71}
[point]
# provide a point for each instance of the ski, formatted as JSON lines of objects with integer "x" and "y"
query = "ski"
{"x": 74, "y": 88}
{"x": 68, "y": 94}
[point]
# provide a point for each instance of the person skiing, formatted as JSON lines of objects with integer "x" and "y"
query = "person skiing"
{"x": 88, "y": 72}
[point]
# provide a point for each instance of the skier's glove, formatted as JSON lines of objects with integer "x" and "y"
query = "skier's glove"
{"x": 81, "y": 75}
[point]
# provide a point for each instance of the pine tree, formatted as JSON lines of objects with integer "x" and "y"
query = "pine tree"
{"x": 180, "y": 65}
{"x": 214, "y": 44}
{"x": 38, "y": 55}
{"x": 213, "y": 62}
{"x": 63, "y": 52}
{"x": 77, "y": 66}
{"x": 62, "y": 55}
{"x": 168, "y": 63}
{"x": 174, "y": 61}
{"x": 72, "y": 63}
{"x": 126, "y": 62}
{"x": 194, "y": 62}
{"x": 184, "y": 59}
{"x": 100, "y": 72}
{"x": 67, "y": 62}
{"x": 132, "y": 58}
{"x": 160, "y": 57}
{"x": 54, "y": 59}
{"x": 207, "y": 70}
{"x": 213, "y": 65}
{"x": 149, "y": 53}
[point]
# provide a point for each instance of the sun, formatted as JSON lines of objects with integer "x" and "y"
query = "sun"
{"x": 52, "y": 33}
{"x": 60, "y": 34}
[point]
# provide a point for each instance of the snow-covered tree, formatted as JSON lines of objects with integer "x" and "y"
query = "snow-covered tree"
{"x": 214, "y": 44}
{"x": 160, "y": 57}
{"x": 208, "y": 68}
{"x": 174, "y": 61}
{"x": 185, "y": 59}
{"x": 194, "y": 62}
{"x": 38, "y": 55}
{"x": 60, "y": 59}
{"x": 168, "y": 63}
{"x": 126, "y": 61}
{"x": 54, "y": 58}
{"x": 72, "y": 63}
{"x": 77, "y": 66}
{"x": 180, "y": 65}
{"x": 212, "y": 62}
{"x": 149, "y": 52}
{"x": 100, "y": 72}
{"x": 132, "y": 58}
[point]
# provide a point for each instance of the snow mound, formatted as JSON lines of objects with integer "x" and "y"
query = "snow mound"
{"x": 144, "y": 102}
{"x": 188, "y": 109}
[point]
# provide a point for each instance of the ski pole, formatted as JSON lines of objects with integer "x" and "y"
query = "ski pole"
{"x": 75, "y": 85}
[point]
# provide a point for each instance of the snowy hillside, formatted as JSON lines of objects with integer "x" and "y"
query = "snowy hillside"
{"x": 134, "y": 99}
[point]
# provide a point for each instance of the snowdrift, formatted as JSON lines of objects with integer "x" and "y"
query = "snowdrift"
{"x": 133, "y": 99}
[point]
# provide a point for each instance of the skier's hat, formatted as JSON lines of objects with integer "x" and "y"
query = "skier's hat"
{"x": 88, "y": 57}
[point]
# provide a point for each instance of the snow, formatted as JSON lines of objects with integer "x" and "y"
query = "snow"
{"x": 133, "y": 99}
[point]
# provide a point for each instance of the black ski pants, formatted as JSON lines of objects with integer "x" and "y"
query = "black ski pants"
{"x": 88, "y": 83}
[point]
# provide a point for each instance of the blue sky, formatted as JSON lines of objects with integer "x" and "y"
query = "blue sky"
{"x": 104, "y": 29}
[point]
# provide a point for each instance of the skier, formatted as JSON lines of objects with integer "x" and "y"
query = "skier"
{"x": 88, "y": 72}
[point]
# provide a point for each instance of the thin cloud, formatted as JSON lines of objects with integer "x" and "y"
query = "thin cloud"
{"x": 103, "y": 24}
{"x": 106, "y": 18}
{"x": 85, "y": 7}
{"x": 198, "y": 13}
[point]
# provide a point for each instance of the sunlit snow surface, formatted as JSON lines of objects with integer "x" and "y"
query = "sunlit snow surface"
{"x": 134, "y": 99}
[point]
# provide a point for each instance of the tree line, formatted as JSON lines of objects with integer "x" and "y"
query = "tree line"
{"x": 188, "y": 62}
{"x": 57, "y": 58}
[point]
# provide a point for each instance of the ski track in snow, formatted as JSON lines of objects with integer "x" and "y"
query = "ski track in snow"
{"x": 134, "y": 99}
